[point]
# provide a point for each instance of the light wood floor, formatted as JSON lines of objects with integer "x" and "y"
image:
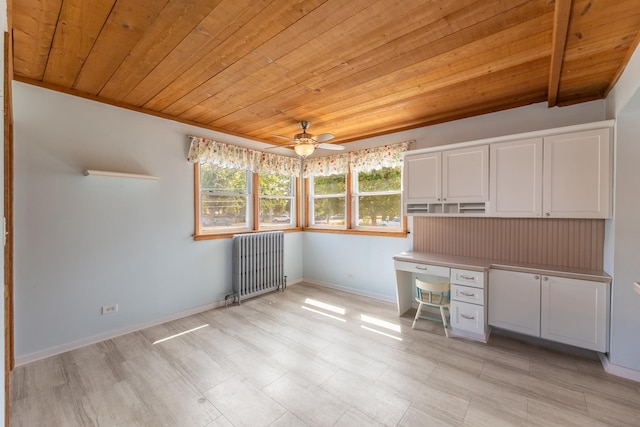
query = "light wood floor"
{"x": 285, "y": 359}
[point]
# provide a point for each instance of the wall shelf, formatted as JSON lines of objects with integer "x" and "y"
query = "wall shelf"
{"x": 93, "y": 172}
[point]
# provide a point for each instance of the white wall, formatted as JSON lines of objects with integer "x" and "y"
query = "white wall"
{"x": 517, "y": 120}
{"x": 83, "y": 242}
{"x": 625, "y": 303}
{"x": 360, "y": 264}
{"x": 622, "y": 244}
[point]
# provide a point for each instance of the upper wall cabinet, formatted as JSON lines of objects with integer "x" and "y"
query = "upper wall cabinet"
{"x": 577, "y": 175}
{"x": 447, "y": 182}
{"x": 422, "y": 178}
{"x": 465, "y": 175}
{"x": 559, "y": 176}
{"x": 543, "y": 174}
{"x": 516, "y": 178}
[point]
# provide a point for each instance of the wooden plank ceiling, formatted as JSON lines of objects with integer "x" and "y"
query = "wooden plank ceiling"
{"x": 355, "y": 68}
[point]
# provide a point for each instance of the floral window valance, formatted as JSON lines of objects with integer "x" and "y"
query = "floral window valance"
{"x": 386, "y": 156}
{"x": 324, "y": 166}
{"x": 224, "y": 155}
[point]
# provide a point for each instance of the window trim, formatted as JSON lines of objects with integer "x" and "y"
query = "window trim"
{"x": 253, "y": 198}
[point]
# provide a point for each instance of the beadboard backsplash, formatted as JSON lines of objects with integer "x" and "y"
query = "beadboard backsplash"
{"x": 577, "y": 243}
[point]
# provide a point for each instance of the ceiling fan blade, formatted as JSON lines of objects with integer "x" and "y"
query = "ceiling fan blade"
{"x": 284, "y": 137}
{"x": 334, "y": 147}
{"x": 324, "y": 137}
{"x": 280, "y": 146}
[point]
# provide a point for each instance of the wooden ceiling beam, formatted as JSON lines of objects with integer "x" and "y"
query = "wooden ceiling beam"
{"x": 561, "y": 16}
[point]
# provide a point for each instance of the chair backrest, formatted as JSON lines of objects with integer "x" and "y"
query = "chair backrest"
{"x": 429, "y": 288}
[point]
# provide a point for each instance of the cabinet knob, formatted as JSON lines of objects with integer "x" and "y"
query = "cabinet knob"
{"x": 536, "y": 277}
{"x": 545, "y": 278}
{"x": 438, "y": 199}
{"x": 547, "y": 214}
{"x": 444, "y": 199}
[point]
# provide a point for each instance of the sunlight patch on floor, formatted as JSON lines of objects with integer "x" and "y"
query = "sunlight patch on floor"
{"x": 181, "y": 333}
{"x": 380, "y": 332}
{"x": 382, "y": 323}
{"x": 325, "y": 306}
{"x": 313, "y": 310}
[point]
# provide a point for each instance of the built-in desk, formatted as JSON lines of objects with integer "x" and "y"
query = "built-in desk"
{"x": 534, "y": 307}
{"x": 468, "y": 278}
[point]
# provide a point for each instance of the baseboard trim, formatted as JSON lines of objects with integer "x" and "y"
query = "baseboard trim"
{"x": 54, "y": 351}
{"x": 350, "y": 290}
{"x": 620, "y": 371}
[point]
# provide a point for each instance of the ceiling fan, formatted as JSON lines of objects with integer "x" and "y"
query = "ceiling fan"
{"x": 304, "y": 144}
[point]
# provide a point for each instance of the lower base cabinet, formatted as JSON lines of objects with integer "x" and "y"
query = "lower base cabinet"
{"x": 468, "y": 317}
{"x": 575, "y": 312}
{"x": 570, "y": 311}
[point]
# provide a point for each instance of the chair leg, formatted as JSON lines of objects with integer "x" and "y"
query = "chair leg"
{"x": 444, "y": 321}
{"x": 415, "y": 319}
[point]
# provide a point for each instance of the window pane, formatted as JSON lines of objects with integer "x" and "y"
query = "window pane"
{"x": 276, "y": 197}
{"x": 275, "y": 211}
{"x": 333, "y": 184}
{"x": 223, "y": 198}
{"x": 329, "y": 210}
{"x": 385, "y": 179}
{"x": 379, "y": 211}
{"x": 223, "y": 211}
{"x": 275, "y": 185}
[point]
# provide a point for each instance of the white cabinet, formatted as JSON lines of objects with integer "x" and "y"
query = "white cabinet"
{"x": 516, "y": 178}
{"x": 465, "y": 175}
{"x": 468, "y": 301}
{"x": 514, "y": 301}
{"x": 565, "y": 310}
{"x": 422, "y": 178}
{"x": 577, "y": 175}
{"x": 446, "y": 182}
{"x": 558, "y": 176}
{"x": 575, "y": 312}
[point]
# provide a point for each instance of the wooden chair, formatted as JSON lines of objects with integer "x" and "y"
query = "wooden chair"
{"x": 434, "y": 295}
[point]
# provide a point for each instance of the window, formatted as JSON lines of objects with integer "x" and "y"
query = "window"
{"x": 328, "y": 196}
{"x": 377, "y": 199}
{"x": 276, "y": 200}
{"x": 357, "y": 192}
{"x": 238, "y": 189}
{"x": 224, "y": 199}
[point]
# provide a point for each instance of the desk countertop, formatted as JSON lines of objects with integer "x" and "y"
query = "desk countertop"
{"x": 482, "y": 264}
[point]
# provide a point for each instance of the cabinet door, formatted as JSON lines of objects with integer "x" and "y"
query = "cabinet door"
{"x": 514, "y": 301}
{"x": 465, "y": 175}
{"x": 516, "y": 178}
{"x": 575, "y": 312}
{"x": 422, "y": 178}
{"x": 577, "y": 175}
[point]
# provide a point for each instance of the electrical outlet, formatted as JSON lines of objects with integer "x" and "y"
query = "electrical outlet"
{"x": 107, "y": 309}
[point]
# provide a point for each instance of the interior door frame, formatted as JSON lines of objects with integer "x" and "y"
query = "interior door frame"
{"x": 9, "y": 361}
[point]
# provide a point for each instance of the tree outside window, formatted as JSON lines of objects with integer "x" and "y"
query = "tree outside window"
{"x": 277, "y": 200}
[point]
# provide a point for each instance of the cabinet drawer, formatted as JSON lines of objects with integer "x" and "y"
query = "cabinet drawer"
{"x": 467, "y": 317}
{"x": 431, "y": 270}
{"x": 467, "y": 294}
{"x": 467, "y": 277}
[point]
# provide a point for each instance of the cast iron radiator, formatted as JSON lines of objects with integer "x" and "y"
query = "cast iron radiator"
{"x": 258, "y": 265}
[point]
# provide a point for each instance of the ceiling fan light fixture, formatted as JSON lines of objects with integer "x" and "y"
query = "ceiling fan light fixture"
{"x": 304, "y": 150}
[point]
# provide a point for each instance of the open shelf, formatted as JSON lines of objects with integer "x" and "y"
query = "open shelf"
{"x": 93, "y": 172}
